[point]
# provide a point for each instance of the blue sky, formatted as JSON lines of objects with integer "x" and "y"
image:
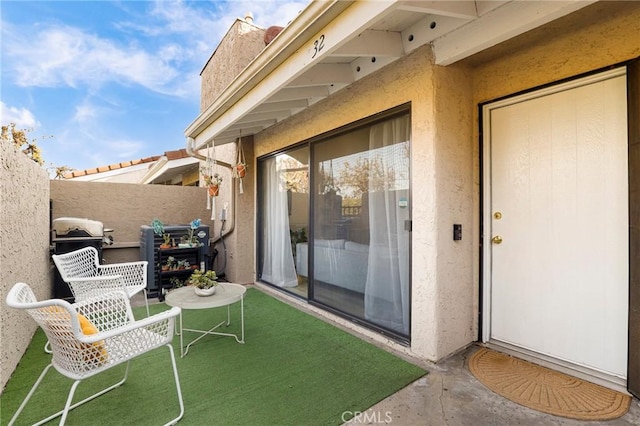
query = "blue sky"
{"x": 113, "y": 81}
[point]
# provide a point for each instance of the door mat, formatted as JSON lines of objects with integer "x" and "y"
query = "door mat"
{"x": 546, "y": 390}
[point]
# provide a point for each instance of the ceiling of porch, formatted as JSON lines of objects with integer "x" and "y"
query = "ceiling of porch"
{"x": 331, "y": 45}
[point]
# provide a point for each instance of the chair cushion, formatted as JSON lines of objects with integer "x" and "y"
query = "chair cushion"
{"x": 93, "y": 353}
{"x": 97, "y": 353}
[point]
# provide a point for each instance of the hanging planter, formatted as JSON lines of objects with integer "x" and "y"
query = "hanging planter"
{"x": 212, "y": 180}
{"x": 240, "y": 169}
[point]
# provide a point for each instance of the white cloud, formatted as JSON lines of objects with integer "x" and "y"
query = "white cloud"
{"x": 85, "y": 112}
{"x": 125, "y": 149}
{"x": 164, "y": 55}
{"x": 69, "y": 56}
{"x": 84, "y": 146}
{"x": 22, "y": 117}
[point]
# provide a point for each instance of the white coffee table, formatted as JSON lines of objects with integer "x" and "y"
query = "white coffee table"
{"x": 226, "y": 294}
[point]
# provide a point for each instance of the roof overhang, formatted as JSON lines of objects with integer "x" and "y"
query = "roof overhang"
{"x": 332, "y": 44}
{"x": 165, "y": 170}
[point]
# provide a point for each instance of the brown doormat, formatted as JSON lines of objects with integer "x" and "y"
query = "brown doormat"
{"x": 546, "y": 390}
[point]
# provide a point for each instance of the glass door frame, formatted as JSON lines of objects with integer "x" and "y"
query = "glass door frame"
{"x": 368, "y": 121}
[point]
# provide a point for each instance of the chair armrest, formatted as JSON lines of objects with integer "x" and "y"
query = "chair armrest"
{"x": 161, "y": 324}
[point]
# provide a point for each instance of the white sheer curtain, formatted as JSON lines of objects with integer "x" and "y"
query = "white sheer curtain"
{"x": 386, "y": 300}
{"x": 278, "y": 266}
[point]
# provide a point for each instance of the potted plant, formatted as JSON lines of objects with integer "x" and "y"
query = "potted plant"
{"x": 204, "y": 283}
{"x": 240, "y": 170}
{"x": 158, "y": 229}
{"x": 213, "y": 183}
{"x": 166, "y": 241}
{"x": 170, "y": 264}
{"x": 176, "y": 282}
{"x": 193, "y": 226}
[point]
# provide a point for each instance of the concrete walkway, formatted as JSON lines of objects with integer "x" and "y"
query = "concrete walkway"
{"x": 450, "y": 396}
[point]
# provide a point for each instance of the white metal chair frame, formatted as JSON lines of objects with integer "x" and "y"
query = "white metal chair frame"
{"x": 81, "y": 269}
{"x": 78, "y": 356}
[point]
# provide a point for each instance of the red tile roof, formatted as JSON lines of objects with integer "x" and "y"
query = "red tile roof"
{"x": 171, "y": 155}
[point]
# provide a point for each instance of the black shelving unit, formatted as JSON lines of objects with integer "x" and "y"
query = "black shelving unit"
{"x": 150, "y": 251}
{"x": 192, "y": 255}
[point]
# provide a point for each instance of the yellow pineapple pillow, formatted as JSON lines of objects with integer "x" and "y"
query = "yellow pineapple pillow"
{"x": 97, "y": 352}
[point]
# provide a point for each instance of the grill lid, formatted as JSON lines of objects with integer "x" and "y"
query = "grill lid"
{"x": 77, "y": 227}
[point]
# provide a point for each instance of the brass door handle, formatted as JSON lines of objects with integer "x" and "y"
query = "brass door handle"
{"x": 497, "y": 239}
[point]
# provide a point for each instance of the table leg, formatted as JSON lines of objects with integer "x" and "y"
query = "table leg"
{"x": 184, "y": 350}
{"x": 181, "y": 334}
{"x": 242, "y": 317}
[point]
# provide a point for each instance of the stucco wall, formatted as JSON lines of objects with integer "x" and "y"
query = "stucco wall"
{"x": 125, "y": 207}
{"x": 24, "y": 249}
{"x": 597, "y": 36}
{"x": 457, "y": 306}
{"x": 241, "y": 243}
{"x": 238, "y": 47}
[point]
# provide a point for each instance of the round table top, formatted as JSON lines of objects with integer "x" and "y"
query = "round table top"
{"x": 186, "y": 298}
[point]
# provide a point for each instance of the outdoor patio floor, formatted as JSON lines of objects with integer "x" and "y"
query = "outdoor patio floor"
{"x": 450, "y": 395}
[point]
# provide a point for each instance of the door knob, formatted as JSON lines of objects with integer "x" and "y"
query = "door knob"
{"x": 497, "y": 239}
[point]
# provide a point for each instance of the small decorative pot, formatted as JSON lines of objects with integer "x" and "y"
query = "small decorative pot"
{"x": 241, "y": 170}
{"x": 214, "y": 190}
{"x": 204, "y": 291}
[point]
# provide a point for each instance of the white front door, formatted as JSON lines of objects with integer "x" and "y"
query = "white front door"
{"x": 556, "y": 220}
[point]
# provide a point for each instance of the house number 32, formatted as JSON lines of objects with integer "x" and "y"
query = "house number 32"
{"x": 318, "y": 45}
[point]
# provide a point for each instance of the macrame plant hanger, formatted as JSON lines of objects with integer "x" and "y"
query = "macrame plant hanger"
{"x": 210, "y": 165}
{"x": 240, "y": 168}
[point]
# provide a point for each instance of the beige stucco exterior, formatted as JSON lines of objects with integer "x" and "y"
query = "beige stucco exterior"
{"x": 24, "y": 248}
{"x": 126, "y": 207}
{"x": 238, "y": 47}
{"x": 445, "y": 149}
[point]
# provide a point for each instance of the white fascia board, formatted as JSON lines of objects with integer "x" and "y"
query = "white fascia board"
{"x": 500, "y": 24}
{"x": 323, "y": 75}
{"x": 428, "y": 29}
{"x": 287, "y": 94}
{"x": 353, "y": 20}
{"x": 250, "y": 123}
{"x": 486, "y": 6}
{"x": 465, "y": 9}
{"x": 372, "y": 43}
{"x": 362, "y": 67}
{"x": 280, "y": 106}
{"x": 154, "y": 170}
{"x": 163, "y": 165}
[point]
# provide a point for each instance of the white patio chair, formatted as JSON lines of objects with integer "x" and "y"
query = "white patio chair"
{"x": 81, "y": 269}
{"x": 78, "y": 354}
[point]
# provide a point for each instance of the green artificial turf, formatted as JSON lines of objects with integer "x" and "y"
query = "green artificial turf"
{"x": 294, "y": 369}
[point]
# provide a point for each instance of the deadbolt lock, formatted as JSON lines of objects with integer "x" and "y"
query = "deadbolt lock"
{"x": 497, "y": 239}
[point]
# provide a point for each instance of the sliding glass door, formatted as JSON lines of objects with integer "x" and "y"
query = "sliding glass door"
{"x": 284, "y": 218}
{"x": 349, "y": 235}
